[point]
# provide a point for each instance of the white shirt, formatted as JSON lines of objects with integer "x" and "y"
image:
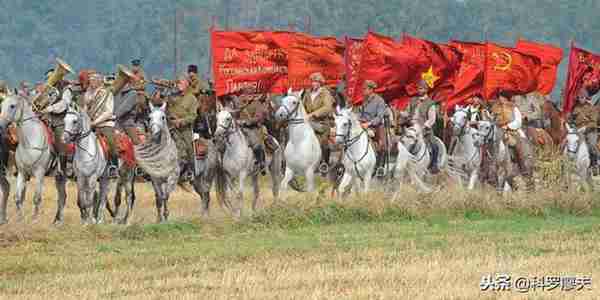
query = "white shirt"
{"x": 61, "y": 105}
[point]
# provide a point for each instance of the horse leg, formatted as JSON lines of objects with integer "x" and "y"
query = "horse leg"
{"x": 5, "y": 189}
{"x": 275, "y": 170}
{"x": 128, "y": 182}
{"x": 473, "y": 178}
{"x": 85, "y": 200}
{"x": 202, "y": 187}
{"x": 158, "y": 199}
{"x": 165, "y": 196}
{"x": 237, "y": 210}
{"x": 346, "y": 178}
{"x": 102, "y": 195}
{"x": 256, "y": 191}
{"x": 20, "y": 193}
{"x": 289, "y": 174}
{"x": 367, "y": 182}
{"x": 310, "y": 178}
{"x": 60, "y": 182}
{"x": 37, "y": 195}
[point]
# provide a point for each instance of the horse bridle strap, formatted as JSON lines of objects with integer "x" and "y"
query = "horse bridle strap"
{"x": 290, "y": 114}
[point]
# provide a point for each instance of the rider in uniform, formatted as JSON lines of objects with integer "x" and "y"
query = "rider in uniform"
{"x": 181, "y": 113}
{"x": 318, "y": 103}
{"x": 126, "y": 112}
{"x": 371, "y": 114}
{"x": 508, "y": 117}
{"x": 422, "y": 110}
{"x": 99, "y": 105}
{"x": 252, "y": 114}
{"x": 585, "y": 115}
{"x": 59, "y": 98}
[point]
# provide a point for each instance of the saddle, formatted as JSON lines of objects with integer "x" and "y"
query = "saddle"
{"x": 125, "y": 148}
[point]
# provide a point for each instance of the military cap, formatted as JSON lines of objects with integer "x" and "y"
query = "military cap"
{"x": 317, "y": 77}
{"x": 136, "y": 62}
{"x": 192, "y": 69}
{"x": 370, "y": 84}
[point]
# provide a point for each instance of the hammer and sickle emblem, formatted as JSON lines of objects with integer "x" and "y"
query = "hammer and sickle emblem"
{"x": 503, "y": 61}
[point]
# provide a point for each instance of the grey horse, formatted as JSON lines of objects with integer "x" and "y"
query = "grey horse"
{"x": 89, "y": 165}
{"x": 33, "y": 156}
{"x": 157, "y": 156}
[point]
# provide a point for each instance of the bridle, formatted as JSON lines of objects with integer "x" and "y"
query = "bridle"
{"x": 291, "y": 114}
{"x": 78, "y": 136}
{"x": 348, "y": 142}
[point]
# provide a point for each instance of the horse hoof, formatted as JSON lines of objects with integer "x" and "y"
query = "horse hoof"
{"x": 58, "y": 223}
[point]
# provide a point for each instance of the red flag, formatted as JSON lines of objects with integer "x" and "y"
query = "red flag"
{"x": 255, "y": 60}
{"x": 584, "y": 71}
{"x": 509, "y": 70}
{"x": 353, "y": 57}
{"x": 550, "y": 57}
{"x": 444, "y": 63}
{"x": 308, "y": 54}
{"x": 469, "y": 80}
{"x": 389, "y": 64}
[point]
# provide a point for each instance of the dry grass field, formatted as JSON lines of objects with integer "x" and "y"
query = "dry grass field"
{"x": 417, "y": 247}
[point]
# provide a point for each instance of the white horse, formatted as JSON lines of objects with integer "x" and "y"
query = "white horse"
{"x": 303, "y": 151}
{"x": 237, "y": 161}
{"x": 89, "y": 165}
{"x": 466, "y": 157}
{"x": 359, "y": 156}
{"x": 157, "y": 156}
{"x": 577, "y": 152}
{"x": 33, "y": 155}
{"x": 414, "y": 157}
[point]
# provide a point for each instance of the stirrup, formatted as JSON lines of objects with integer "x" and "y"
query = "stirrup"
{"x": 324, "y": 167}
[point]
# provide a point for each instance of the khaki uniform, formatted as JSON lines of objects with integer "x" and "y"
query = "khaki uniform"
{"x": 504, "y": 111}
{"x": 373, "y": 110}
{"x": 585, "y": 115}
{"x": 55, "y": 113}
{"x": 252, "y": 115}
{"x": 99, "y": 105}
{"x": 184, "y": 109}
{"x": 322, "y": 108}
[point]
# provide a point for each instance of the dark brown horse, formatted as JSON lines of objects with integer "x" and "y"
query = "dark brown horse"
{"x": 557, "y": 129}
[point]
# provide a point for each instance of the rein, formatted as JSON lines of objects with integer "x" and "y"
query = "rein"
{"x": 290, "y": 114}
{"x": 349, "y": 142}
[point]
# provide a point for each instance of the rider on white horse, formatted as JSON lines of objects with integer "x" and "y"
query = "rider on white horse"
{"x": 585, "y": 116}
{"x": 422, "y": 110}
{"x": 318, "y": 104}
{"x": 371, "y": 113}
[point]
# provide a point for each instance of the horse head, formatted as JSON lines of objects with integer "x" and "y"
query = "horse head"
{"x": 459, "y": 120}
{"x": 12, "y": 106}
{"x": 225, "y": 123}
{"x": 157, "y": 121}
{"x": 290, "y": 105}
{"x": 486, "y": 129}
{"x": 343, "y": 124}
{"x": 411, "y": 137}
{"x": 74, "y": 124}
